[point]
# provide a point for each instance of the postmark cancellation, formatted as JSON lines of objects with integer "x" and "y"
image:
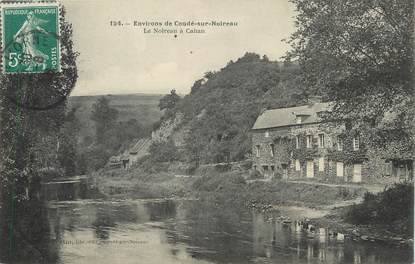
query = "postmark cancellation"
{"x": 30, "y": 37}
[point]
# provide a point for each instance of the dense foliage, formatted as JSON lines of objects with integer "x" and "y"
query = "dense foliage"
{"x": 164, "y": 151}
{"x": 393, "y": 207}
{"x": 359, "y": 54}
{"x": 68, "y": 141}
{"x": 111, "y": 136}
{"x": 223, "y": 106}
{"x": 104, "y": 118}
{"x": 32, "y": 112}
{"x": 168, "y": 102}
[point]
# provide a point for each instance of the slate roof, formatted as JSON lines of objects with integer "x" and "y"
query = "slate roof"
{"x": 287, "y": 116}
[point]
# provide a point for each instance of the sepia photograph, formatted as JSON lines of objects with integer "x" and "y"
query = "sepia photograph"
{"x": 207, "y": 131}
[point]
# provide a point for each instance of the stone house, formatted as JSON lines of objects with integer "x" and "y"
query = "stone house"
{"x": 294, "y": 143}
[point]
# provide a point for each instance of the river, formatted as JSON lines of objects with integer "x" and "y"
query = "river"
{"x": 183, "y": 231}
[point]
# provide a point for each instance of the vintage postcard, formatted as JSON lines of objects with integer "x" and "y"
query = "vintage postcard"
{"x": 207, "y": 131}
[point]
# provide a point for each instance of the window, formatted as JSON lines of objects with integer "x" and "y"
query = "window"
{"x": 298, "y": 120}
{"x": 321, "y": 142}
{"x": 339, "y": 143}
{"x": 321, "y": 164}
{"x": 356, "y": 143}
{"x": 297, "y": 165}
{"x": 297, "y": 142}
{"x": 309, "y": 141}
{"x": 257, "y": 149}
{"x": 266, "y": 134}
{"x": 327, "y": 141}
{"x": 272, "y": 150}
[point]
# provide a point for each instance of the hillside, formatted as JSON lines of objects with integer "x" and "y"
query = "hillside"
{"x": 142, "y": 107}
{"x": 222, "y": 107}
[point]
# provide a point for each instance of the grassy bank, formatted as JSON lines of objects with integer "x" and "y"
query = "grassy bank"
{"x": 233, "y": 187}
{"x": 137, "y": 184}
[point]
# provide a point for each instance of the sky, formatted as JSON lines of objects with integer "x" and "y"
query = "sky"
{"x": 123, "y": 59}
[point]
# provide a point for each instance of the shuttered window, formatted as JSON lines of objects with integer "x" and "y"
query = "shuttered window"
{"x": 297, "y": 142}
{"x": 321, "y": 142}
{"x": 321, "y": 164}
{"x": 339, "y": 143}
{"x": 356, "y": 143}
{"x": 310, "y": 169}
{"x": 340, "y": 169}
{"x": 297, "y": 165}
{"x": 309, "y": 141}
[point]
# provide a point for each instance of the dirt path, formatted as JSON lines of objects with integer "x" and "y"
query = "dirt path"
{"x": 343, "y": 203}
{"x": 369, "y": 188}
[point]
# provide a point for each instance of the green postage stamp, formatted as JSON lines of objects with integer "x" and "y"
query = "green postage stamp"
{"x": 30, "y": 37}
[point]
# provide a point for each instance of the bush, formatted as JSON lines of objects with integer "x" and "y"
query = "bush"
{"x": 247, "y": 164}
{"x": 157, "y": 125}
{"x": 214, "y": 182}
{"x": 226, "y": 191}
{"x": 149, "y": 165}
{"x": 164, "y": 151}
{"x": 223, "y": 167}
{"x": 393, "y": 205}
{"x": 254, "y": 174}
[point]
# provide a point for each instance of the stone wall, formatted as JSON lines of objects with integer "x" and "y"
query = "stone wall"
{"x": 279, "y": 138}
{"x": 373, "y": 170}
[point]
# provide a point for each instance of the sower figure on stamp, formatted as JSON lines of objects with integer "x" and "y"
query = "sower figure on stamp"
{"x": 26, "y": 37}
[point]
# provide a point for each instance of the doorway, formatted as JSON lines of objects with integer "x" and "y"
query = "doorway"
{"x": 357, "y": 173}
{"x": 310, "y": 169}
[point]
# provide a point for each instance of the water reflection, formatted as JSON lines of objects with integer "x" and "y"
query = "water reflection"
{"x": 96, "y": 231}
{"x": 25, "y": 234}
{"x": 292, "y": 244}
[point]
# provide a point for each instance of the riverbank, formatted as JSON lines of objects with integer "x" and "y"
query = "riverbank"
{"x": 335, "y": 221}
{"x": 324, "y": 205}
{"x": 137, "y": 184}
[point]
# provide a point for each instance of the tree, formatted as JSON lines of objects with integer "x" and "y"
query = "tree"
{"x": 197, "y": 85}
{"x": 32, "y": 109}
{"x": 129, "y": 130}
{"x": 164, "y": 151}
{"x": 357, "y": 53}
{"x": 104, "y": 117}
{"x": 68, "y": 144}
{"x": 169, "y": 101}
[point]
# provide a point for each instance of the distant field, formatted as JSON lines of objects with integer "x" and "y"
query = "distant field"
{"x": 143, "y": 107}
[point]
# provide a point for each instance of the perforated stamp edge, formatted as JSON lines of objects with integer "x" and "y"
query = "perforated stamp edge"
{"x": 6, "y": 4}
